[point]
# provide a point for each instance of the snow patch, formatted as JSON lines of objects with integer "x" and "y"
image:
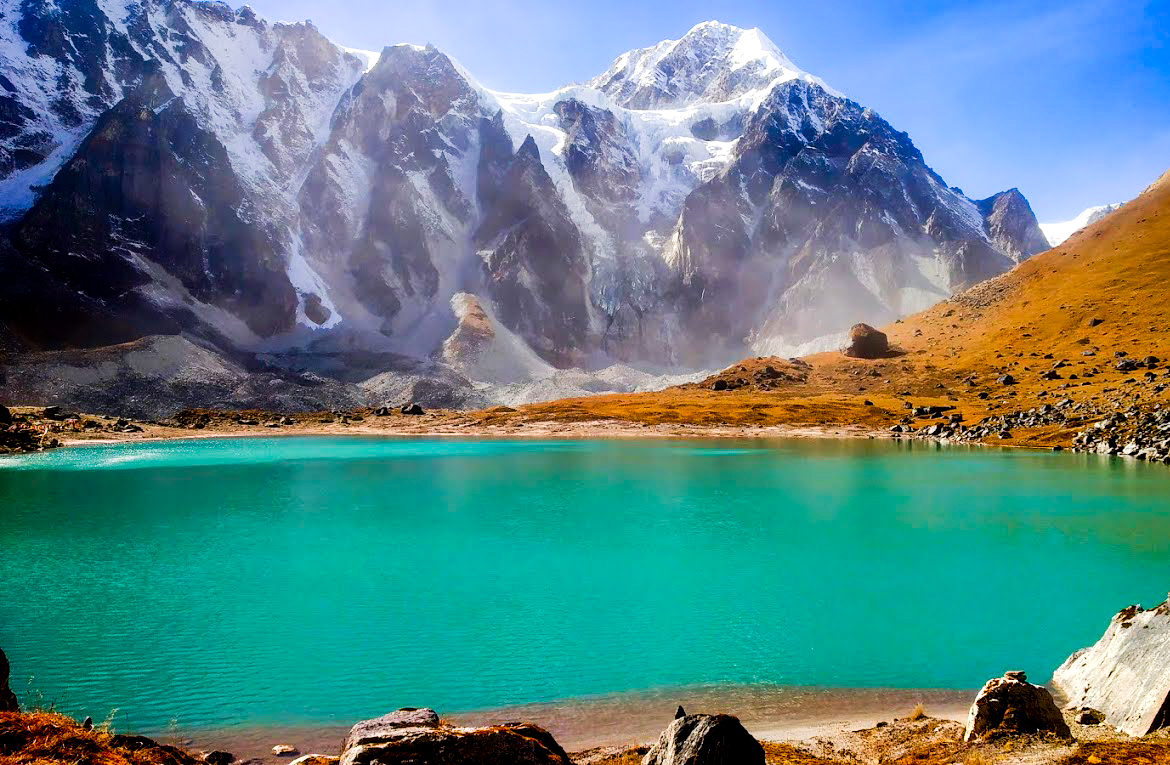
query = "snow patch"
{"x": 1057, "y": 233}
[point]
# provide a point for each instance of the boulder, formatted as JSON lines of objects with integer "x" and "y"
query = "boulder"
{"x": 679, "y": 713}
{"x": 1126, "y": 674}
{"x": 7, "y": 697}
{"x": 387, "y": 726}
{"x": 316, "y": 759}
{"x": 219, "y": 758}
{"x": 284, "y": 750}
{"x": 412, "y": 409}
{"x": 705, "y": 740}
{"x": 865, "y": 342}
{"x": 1089, "y": 717}
{"x": 5, "y": 415}
{"x": 1010, "y": 705}
{"x": 417, "y": 736}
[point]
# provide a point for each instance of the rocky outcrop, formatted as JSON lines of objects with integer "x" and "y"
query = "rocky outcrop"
{"x": 1010, "y": 705}
{"x": 1126, "y": 675}
{"x": 865, "y": 342}
{"x": 416, "y": 735}
{"x": 702, "y": 739}
{"x": 8, "y": 701}
{"x": 1011, "y": 225}
{"x": 534, "y": 260}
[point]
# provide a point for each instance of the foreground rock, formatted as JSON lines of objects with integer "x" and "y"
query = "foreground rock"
{"x": 865, "y": 342}
{"x": 705, "y": 740}
{"x": 1126, "y": 675}
{"x": 7, "y": 697}
{"x": 417, "y": 736}
{"x": 1010, "y": 705}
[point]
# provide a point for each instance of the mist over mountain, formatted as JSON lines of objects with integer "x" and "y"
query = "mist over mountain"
{"x": 334, "y": 225}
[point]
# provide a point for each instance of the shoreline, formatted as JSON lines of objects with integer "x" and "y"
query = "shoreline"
{"x": 590, "y": 429}
{"x": 783, "y": 714}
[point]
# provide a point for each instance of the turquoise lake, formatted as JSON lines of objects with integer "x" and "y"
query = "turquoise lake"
{"x": 227, "y": 582}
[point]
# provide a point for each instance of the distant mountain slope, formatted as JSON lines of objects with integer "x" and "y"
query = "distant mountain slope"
{"x": 1056, "y": 233}
{"x": 180, "y": 167}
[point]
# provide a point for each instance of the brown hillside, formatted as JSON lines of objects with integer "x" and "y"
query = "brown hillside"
{"x": 1054, "y": 324}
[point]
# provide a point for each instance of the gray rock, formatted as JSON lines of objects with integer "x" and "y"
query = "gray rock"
{"x": 387, "y": 726}
{"x": 865, "y": 342}
{"x": 705, "y": 740}
{"x": 1010, "y": 705}
{"x": 416, "y": 736}
{"x": 7, "y": 697}
{"x": 1089, "y": 717}
{"x": 1126, "y": 674}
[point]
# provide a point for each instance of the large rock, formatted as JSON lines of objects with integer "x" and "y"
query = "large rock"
{"x": 7, "y": 697}
{"x": 1011, "y": 705}
{"x": 865, "y": 342}
{"x": 705, "y": 740}
{"x": 416, "y": 736}
{"x": 1126, "y": 674}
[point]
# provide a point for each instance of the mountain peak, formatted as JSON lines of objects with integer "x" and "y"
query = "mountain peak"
{"x": 712, "y": 62}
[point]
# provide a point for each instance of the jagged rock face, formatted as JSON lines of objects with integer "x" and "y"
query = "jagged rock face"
{"x": 1126, "y": 674}
{"x": 1012, "y": 225}
{"x": 384, "y": 221}
{"x": 534, "y": 263}
{"x": 825, "y": 212}
{"x": 599, "y": 158}
{"x": 171, "y": 140}
{"x": 149, "y": 187}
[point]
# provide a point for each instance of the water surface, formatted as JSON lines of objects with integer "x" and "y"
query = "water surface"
{"x": 321, "y": 580}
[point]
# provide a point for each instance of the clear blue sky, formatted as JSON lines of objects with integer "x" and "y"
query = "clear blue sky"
{"x": 1069, "y": 101}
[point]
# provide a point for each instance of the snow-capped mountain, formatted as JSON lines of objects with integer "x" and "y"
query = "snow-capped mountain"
{"x": 176, "y": 166}
{"x": 1056, "y": 233}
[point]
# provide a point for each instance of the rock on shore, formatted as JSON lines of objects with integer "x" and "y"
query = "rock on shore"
{"x": 1012, "y": 705}
{"x": 417, "y": 736}
{"x": 1126, "y": 674}
{"x": 7, "y": 697}
{"x": 705, "y": 740}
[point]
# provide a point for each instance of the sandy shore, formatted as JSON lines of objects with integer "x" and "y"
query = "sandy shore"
{"x": 448, "y": 426}
{"x": 769, "y": 713}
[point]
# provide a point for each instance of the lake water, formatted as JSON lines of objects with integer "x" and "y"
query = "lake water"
{"x": 259, "y": 581}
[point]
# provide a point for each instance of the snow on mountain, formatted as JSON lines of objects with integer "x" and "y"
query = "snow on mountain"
{"x": 368, "y": 57}
{"x": 1056, "y": 233}
{"x": 712, "y": 62}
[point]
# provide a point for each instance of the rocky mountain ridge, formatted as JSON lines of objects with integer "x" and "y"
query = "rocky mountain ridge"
{"x": 186, "y": 168}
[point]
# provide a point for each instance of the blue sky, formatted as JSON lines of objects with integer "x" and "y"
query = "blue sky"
{"x": 1069, "y": 101}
